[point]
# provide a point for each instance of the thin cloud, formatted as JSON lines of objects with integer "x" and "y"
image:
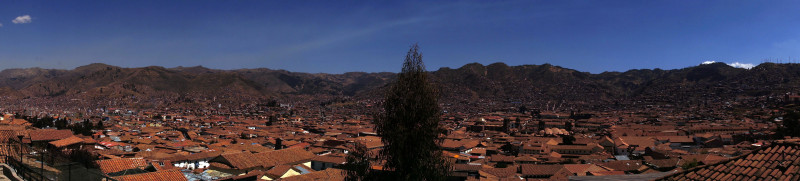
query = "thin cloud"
{"x": 734, "y": 64}
{"x": 742, "y": 65}
{"x": 1, "y": 25}
{"x": 335, "y": 38}
{"x": 22, "y": 19}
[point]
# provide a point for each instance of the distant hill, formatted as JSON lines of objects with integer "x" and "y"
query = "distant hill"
{"x": 541, "y": 84}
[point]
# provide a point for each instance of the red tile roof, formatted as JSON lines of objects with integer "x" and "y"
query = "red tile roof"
{"x": 245, "y": 160}
{"x": 278, "y": 171}
{"x": 624, "y": 165}
{"x": 284, "y": 156}
{"x": 501, "y": 158}
{"x": 330, "y": 159}
{"x": 49, "y": 134}
{"x": 120, "y": 164}
{"x": 704, "y": 158}
{"x": 501, "y": 172}
{"x": 195, "y": 156}
{"x": 66, "y": 141}
{"x": 663, "y": 163}
{"x": 582, "y": 169}
{"x": 779, "y": 161}
{"x": 466, "y": 167}
{"x": 531, "y": 169}
{"x": 171, "y": 175}
{"x": 330, "y": 174}
{"x": 241, "y": 160}
{"x": 5, "y": 135}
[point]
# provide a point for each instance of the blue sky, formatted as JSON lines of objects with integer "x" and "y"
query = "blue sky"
{"x": 373, "y": 36}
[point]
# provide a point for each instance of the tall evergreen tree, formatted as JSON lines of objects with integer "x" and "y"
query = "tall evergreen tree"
{"x": 358, "y": 164}
{"x": 568, "y": 125}
{"x": 541, "y": 125}
{"x": 506, "y": 124}
{"x": 791, "y": 125}
{"x": 99, "y": 125}
{"x": 409, "y": 125}
{"x": 271, "y": 120}
{"x": 62, "y": 124}
{"x": 567, "y": 139}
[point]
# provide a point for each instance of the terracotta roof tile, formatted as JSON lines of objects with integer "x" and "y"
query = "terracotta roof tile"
{"x": 760, "y": 172}
{"x": 48, "y": 134}
{"x": 5, "y": 135}
{"x": 752, "y": 171}
{"x": 530, "y": 169}
{"x": 722, "y": 175}
{"x": 120, "y": 164}
{"x": 330, "y": 174}
{"x": 623, "y": 165}
{"x": 241, "y": 160}
{"x": 284, "y": 156}
{"x": 738, "y": 170}
{"x": 768, "y": 172}
{"x": 171, "y": 175}
{"x": 195, "y": 156}
{"x": 742, "y": 163}
{"x": 702, "y": 171}
{"x": 774, "y": 162}
{"x": 691, "y": 175}
{"x": 791, "y": 169}
{"x": 780, "y": 149}
{"x": 501, "y": 158}
{"x": 726, "y": 177}
{"x": 502, "y": 172}
{"x": 245, "y": 160}
{"x": 776, "y": 173}
{"x": 754, "y": 163}
{"x": 66, "y": 141}
{"x": 738, "y": 162}
{"x": 466, "y": 167}
{"x": 278, "y": 171}
{"x": 714, "y": 175}
{"x": 330, "y": 159}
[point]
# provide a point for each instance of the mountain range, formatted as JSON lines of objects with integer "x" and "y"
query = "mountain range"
{"x": 472, "y": 82}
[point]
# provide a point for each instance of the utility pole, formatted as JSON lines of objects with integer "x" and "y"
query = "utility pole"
{"x": 41, "y": 171}
{"x": 20, "y": 149}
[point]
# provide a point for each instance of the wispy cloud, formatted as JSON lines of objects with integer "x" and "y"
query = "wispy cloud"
{"x": 1, "y": 24}
{"x": 22, "y": 19}
{"x": 347, "y": 35}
